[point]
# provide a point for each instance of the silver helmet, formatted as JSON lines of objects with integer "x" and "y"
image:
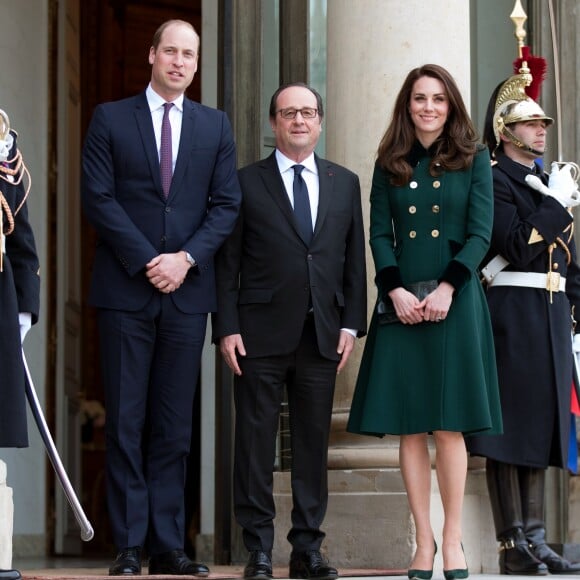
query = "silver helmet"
{"x": 513, "y": 105}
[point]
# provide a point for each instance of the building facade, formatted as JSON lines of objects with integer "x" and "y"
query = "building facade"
{"x": 60, "y": 57}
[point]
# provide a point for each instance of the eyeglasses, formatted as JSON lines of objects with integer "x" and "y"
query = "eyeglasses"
{"x": 307, "y": 113}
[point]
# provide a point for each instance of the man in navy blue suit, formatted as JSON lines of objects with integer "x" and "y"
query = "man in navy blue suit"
{"x": 153, "y": 285}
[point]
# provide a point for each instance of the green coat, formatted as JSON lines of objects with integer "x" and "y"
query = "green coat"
{"x": 431, "y": 376}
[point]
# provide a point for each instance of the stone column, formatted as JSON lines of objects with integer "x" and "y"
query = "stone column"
{"x": 6, "y": 520}
{"x": 370, "y": 51}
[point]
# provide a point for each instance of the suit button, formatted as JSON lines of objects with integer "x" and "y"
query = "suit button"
{"x": 555, "y": 266}
{"x": 163, "y": 239}
{"x": 436, "y": 184}
{"x": 412, "y": 234}
{"x": 435, "y": 233}
{"x": 309, "y": 257}
{"x": 412, "y": 209}
{"x": 435, "y": 209}
{"x": 168, "y": 209}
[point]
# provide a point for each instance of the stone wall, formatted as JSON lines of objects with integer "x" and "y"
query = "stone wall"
{"x": 6, "y": 520}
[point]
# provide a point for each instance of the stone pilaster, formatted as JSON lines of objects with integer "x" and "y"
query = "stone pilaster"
{"x": 6, "y": 520}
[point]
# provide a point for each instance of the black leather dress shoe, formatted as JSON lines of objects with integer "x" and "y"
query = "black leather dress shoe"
{"x": 259, "y": 566}
{"x": 10, "y": 575}
{"x": 176, "y": 563}
{"x": 127, "y": 563}
{"x": 311, "y": 564}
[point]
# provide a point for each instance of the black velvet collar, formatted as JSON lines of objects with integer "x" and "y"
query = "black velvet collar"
{"x": 418, "y": 152}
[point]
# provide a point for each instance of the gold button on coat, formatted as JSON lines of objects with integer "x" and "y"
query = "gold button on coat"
{"x": 413, "y": 185}
{"x": 412, "y": 209}
{"x": 412, "y": 234}
{"x": 435, "y": 209}
{"x": 436, "y": 184}
{"x": 435, "y": 233}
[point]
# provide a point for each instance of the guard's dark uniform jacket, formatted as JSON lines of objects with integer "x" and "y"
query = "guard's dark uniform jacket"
{"x": 532, "y": 326}
{"x": 19, "y": 292}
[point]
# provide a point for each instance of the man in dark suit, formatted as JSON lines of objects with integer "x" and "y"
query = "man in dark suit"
{"x": 291, "y": 300}
{"x": 160, "y": 187}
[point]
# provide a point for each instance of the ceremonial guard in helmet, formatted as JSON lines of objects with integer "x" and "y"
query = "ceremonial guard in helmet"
{"x": 533, "y": 288}
{"x": 19, "y": 292}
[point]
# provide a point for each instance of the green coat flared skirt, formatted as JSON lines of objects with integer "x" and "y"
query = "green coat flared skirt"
{"x": 430, "y": 376}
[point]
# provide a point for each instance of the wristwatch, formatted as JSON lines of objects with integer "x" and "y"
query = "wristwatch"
{"x": 189, "y": 259}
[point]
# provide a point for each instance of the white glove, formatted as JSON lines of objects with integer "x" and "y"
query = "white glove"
{"x": 561, "y": 185}
{"x": 576, "y": 343}
{"x": 25, "y": 321}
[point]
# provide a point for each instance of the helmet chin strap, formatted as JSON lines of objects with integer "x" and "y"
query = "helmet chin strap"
{"x": 520, "y": 144}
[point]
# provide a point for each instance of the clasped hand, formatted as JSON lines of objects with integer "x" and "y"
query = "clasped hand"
{"x": 561, "y": 185}
{"x": 167, "y": 271}
{"x": 433, "y": 308}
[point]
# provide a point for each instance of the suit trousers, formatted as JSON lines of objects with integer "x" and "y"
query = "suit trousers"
{"x": 150, "y": 364}
{"x": 309, "y": 380}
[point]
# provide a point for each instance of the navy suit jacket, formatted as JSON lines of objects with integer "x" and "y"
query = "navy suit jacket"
{"x": 123, "y": 199}
{"x": 267, "y": 275}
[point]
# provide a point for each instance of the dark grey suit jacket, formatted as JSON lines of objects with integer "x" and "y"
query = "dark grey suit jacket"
{"x": 266, "y": 274}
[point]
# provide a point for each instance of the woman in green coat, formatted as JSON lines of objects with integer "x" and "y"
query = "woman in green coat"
{"x": 432, "y": 370}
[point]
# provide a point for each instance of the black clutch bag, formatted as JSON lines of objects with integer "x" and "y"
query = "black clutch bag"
{"x": 386, "y": 311}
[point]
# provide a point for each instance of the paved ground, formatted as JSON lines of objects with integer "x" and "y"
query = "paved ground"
{"x": 99, "y": 571}
{"x": 85, "y": 569}
{"x": 100, "y": 574}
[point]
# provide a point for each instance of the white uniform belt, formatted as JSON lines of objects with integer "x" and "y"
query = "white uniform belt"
{"x": 494, "y": 266}
{"x": 552, "y": 281}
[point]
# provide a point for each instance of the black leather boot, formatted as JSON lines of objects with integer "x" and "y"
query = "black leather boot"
{"x": 515, "y": 556}
{"x": 532, "y": 484}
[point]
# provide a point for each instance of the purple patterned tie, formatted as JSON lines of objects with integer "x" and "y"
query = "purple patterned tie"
{"x": 165, "y": 153}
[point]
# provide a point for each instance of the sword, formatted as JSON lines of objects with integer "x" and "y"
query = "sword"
{"x": 87, "y": 532}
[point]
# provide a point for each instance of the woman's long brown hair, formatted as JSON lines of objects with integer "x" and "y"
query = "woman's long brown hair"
{"x": 455, "y": 147}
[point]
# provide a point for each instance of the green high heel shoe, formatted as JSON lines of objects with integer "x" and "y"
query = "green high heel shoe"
{"x": 457, "y": 573}
{"x": 415, "y": 574}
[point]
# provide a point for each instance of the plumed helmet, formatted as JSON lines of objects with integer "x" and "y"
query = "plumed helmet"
{"x": 516, "y": 98}
{"x": 513, "y": 105}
